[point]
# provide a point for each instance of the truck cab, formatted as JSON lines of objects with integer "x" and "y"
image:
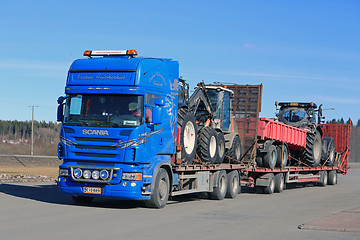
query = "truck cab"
{"x": 119, "y": 117}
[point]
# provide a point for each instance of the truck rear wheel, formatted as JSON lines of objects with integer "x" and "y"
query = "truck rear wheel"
{"x": 234, "y": 152}
{"x": 270, "y": 188}
{"x": 233, "y": 184}
{"x": 160, "y": 191}
{"x": 279, "y": 183}
{"x": 332, "y": 177}
{"x": 219, "y": 192}
{"x": 323, "y": 178}
{"x": 208, "y": 150}
{"x": 221, "y": 148}
{"x": 270, "y": 157}
{"x": 188, "y": 135}
{"x": 311, "y": 155}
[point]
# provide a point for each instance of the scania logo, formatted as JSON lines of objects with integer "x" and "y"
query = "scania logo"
{"x": 94, "y": 132}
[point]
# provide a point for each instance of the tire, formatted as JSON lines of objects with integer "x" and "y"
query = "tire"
{"x": 271, "y": 187}
{"x": 279, "y": 183}
{"x": 188, "y": 135}
{"x": 233, "y": 184}
{"x": 207, "y": 149}
{"x": 82, "y": 199}
{"x": 221, "y": 148}
{"x": 323, "y": 178}
{"x": 219, "y": 192}
{"x": 332, "y": 177}
{"x": 311, "y": 155}
{"x": 234, "y": 152}
{"x": 160, "y": 191}
{"x": 270, "y": 157}
{"x": 328, "y": 151}
{"x": 282, "y": 158}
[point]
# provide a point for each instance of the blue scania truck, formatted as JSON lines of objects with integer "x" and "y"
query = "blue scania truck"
{"x": 130, "y": 131}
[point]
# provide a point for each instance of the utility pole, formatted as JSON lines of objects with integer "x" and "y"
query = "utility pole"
{"x": 32, "y": 129}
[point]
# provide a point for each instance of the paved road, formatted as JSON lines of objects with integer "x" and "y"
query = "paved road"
{"x": 38, "y": 211}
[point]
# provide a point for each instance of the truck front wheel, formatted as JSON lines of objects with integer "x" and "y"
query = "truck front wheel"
{"x": 160, "y": 192}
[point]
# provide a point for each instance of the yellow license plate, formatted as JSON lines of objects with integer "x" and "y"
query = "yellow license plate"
{"x": 92, "y": 190}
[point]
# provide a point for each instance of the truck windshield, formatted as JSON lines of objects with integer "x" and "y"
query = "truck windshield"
{"x": 104, "y": 110}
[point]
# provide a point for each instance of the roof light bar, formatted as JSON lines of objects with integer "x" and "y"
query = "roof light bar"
{"x": 111, "y": 53}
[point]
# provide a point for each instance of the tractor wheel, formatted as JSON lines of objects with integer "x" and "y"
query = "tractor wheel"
{"x": 208, "y": 150}
{"x": 311, "y": 155}
{"x": 221, "y": 148}
{"x": 282, "y": 157}
{"x": 269, "y": 159}
{"x": 188, "y": 135}
{"x": 234, "y": 152}
{"x": 328, "y": 151}
{"x": 332, "y": 177}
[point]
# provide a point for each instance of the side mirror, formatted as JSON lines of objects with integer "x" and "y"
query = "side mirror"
{"x": 157, "y": 115}
{"x": 60, "y": 110}
{"x": 160, "y": 102}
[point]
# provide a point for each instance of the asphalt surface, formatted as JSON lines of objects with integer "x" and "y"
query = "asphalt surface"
{"x": 39, "y": 211}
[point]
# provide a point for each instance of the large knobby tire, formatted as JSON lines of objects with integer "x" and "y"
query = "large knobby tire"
{"x": 323, "y": 178}
{"x": 279, "y": 183}
{"x": 233, "y": 184}
{"x": 221, "y": 148}
{"x": 234, "y": 152}
{"x": 270, "y": 157}
{"x": 160, "y": 191}
{"x": 270, "y": 188}
{"x": 282, "y": 156}
{"x": 311, "y": 155}
{"x": 332, "y": 177}
{"x": 188, "y": 135}
{"x": 328, "y": 151}
{"x": 82, "y": 199}
{"x": 207, "y": 149}
{"x": 220, "y": 190}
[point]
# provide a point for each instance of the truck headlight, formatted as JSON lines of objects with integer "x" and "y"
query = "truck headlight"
{"x": 87, "y": 174}
{"x": 95, "y": 174}
{"x": 63, "y": 172}
{"x": 132, "y": 176}
{"x": 77, "y": 173}
{"x": 104, "y": 174}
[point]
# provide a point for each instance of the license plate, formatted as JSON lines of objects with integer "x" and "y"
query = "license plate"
{"x": 92, "y": 190}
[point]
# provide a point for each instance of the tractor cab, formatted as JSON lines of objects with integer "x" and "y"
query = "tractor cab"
{"x": 302, "y": 115}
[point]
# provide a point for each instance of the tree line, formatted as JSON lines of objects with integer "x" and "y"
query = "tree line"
{"x": 22, "y": 129}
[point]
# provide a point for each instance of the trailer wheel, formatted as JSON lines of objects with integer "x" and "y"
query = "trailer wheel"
{"x": 332, "y": 177}
{"x": 188, "y": 135}
{"x": 323, "y": 178}
{"x": 234, "y": 152}
{"x": 208, "y": 150}
{"x": 221, "y": 148}
{"x": 82, "y": 199}
{"x": 160, "y": 192}
{"x": 219, "y": 192}
{"x": 233, "y": 184}
{"x": 282, "y": 157}
{"x": 269, "y": 159}
{"x": 279, "y": 183}
{"x": 311, "y": 155}
{"x": 271, "y": 187}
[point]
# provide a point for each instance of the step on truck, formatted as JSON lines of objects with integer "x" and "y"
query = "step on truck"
{"x": 131, "y": 131}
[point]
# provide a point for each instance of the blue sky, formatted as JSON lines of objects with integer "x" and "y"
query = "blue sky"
{"x": 299, "y": 50}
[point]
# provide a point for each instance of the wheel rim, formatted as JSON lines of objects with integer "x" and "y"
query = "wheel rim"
{"x": 281, "y": 185}
{"x": 212, "y": 146}
{"x": 189, "y": 137}
{"x": 317, "y": 149}
{"x": 273, "y": 157}
{"x": 332, "y": 155}
{"x": 272, "y": 185}
{"x": 162, "y": 189}
{"x": 237, "y": 151}
{"x": 284, "y": 159}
